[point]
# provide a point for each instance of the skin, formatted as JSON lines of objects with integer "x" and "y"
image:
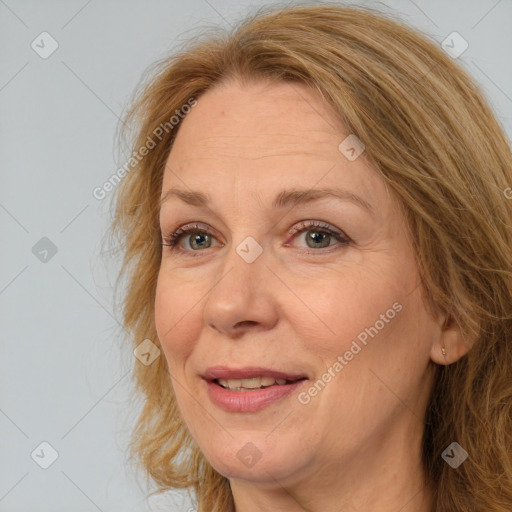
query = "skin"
{"x": 356, "y": 445}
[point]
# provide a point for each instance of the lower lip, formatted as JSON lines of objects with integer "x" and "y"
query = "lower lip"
{"x": 249, "y": 401}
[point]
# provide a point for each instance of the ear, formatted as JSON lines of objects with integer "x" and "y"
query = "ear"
{"x": 455, "y": 343}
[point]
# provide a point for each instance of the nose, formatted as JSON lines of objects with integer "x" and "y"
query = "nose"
{"x": 243, "y": 296}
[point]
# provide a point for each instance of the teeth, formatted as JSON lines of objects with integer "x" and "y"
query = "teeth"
{"x": 230, "y": 383}
{"x": 268, "y": 381}
{"x": 252, "y": 383}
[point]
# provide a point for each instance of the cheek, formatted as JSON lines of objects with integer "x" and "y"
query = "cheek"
{"x": 374, "y": 365}
{"x": 340, "y": 310}
{"x": 177, "y": 318}
{"x": 374, "y": 322}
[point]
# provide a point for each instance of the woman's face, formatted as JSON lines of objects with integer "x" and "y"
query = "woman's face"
{"x": 338, "y": 303}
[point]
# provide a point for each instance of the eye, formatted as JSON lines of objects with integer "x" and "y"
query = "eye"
{"x": 201, "y": 239}
{"x": 319, "y": 235}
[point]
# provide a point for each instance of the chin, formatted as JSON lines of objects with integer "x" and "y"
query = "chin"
{"x": 258, "y": 460}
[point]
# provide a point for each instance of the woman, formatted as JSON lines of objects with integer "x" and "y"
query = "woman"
{"x": 317, "y": 237}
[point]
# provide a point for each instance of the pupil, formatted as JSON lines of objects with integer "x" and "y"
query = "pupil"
{"x": 196, "y": 238}
{"x": 316, "y": 235}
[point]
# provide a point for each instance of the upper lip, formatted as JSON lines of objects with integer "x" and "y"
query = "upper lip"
{"x": 224, "y": 372}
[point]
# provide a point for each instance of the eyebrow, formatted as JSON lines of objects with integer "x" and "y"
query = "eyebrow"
{"x": 289, "y": 197}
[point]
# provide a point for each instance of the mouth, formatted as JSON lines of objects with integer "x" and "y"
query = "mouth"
{"x": 249, "y": 389}
{"x": 250, "y": 377}
{"x": 253, "y": 383}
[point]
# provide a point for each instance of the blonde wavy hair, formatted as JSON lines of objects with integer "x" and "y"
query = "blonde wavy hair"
{"x": 430, "y": 132}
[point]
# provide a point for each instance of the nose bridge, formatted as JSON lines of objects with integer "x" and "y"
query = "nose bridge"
{"x": 244, "y": 262}
{"x": 247, "y": 230}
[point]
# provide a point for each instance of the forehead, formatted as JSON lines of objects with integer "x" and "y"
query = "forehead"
{"x": 263, "y": 136}
{"x": 260, "y": 115}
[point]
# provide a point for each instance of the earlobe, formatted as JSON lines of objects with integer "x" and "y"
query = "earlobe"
{"x": 440, "y": 355}
{"x": 451, "y": 344}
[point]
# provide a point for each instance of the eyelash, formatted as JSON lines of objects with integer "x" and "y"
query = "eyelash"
{"x": 174, "y": 238}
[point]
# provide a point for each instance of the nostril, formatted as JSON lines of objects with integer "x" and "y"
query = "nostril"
{"x": 245, "y": 323}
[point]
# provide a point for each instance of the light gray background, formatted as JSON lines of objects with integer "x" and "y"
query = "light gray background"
{"x": 64, "y": 374}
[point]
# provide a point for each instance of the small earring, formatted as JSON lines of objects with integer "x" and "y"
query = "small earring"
{"x": 443, "y": 350}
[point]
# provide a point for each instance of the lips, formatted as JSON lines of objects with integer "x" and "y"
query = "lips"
{"x": 249, "y": 389}
{"x": 225, "y": 373}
